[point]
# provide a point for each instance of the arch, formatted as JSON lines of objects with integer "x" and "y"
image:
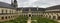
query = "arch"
{"x": 29, "y": 15}
{"x": 6, "y": 17}
{"x": 47, "y": 16}
{"x": 11, "y": 16}
{"x": 58, "y": 17}
{"x": 50, "y": 16}
{"x": 54, "y": 17}
{"x": 6, "y": 11}
{"x": 41, "y": 15}
{"x": 2, "y": 17}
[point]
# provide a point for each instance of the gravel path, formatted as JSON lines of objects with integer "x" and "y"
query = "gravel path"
{"x": 29, "y": 20}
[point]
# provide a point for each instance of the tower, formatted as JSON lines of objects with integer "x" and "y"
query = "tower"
{"x": 14, "y": 3}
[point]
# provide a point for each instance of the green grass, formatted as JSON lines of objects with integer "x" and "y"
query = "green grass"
{"x": 42, "y": 20}
{"x": 22, "y": 19}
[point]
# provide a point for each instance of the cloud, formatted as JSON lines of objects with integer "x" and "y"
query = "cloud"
{"x": 7, "y": 1}
{"x": 34, "y": 3}
{"x": 40, "y": 3}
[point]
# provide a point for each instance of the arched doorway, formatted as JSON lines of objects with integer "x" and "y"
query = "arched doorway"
{"x": 29, "y": 15}
{"x": 6, "y": 17}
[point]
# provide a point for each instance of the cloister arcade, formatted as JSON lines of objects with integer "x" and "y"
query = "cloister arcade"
{"x": 8, "y": 13}
{"x": 55, "y": 15}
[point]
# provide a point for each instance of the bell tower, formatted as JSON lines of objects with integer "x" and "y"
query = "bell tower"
{"x": 14, "y": 3}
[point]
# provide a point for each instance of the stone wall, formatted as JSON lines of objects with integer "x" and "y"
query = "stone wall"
{"x": 50, "y": 15}
{"x": 8, "y": 14}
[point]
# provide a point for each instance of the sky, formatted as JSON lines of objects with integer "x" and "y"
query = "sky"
{"x": 35, "y": 3}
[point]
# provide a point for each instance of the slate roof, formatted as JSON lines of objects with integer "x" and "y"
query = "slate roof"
{"x": 5, "y": 5}
{"x": 53, "y": 7}
{"x": 32, "y": 9}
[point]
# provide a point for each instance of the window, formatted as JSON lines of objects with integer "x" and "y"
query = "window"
{"x": 25, "y": 9}
{"x": 41, "y": 9}
{"x": 6, "y": 11}
{"x": 10, "y": 11}
{"x": 2, "y": 11}
{"x": 33, "y": 9}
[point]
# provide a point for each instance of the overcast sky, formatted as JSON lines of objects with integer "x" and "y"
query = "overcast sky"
{"x": 35, "y": 3}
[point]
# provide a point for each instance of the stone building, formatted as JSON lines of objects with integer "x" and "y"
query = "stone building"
{"x": 50, "y": 12}
{"x": 53, "y": 12}
{"x": 8, "y": 11}
{"x": 11, "y": 11}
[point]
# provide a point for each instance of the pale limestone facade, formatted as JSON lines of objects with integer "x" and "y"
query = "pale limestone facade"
{"x": 8, "y": 14}
{"x": 51, "y": 14}
{"x": 8, "y": 11}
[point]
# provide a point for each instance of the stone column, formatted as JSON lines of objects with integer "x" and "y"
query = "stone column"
{"x": 51, "y": 17}
{"x": 56, "y": 17}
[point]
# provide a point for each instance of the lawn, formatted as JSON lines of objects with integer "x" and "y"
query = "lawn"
{"x": 42, "y": 20}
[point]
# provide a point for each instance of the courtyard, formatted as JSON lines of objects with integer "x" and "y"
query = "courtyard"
{"x": 34, "y": 19}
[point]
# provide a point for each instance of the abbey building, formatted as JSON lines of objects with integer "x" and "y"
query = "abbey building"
{"x": 50, "y": 12}
{"x": 8, "y": 11}
{"x": 11, "y": 11}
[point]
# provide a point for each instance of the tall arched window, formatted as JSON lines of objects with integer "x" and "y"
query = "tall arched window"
{"x": 6, "y": 11}
{"x": 10, "y": 11}
{"x": 2, "y": 11}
